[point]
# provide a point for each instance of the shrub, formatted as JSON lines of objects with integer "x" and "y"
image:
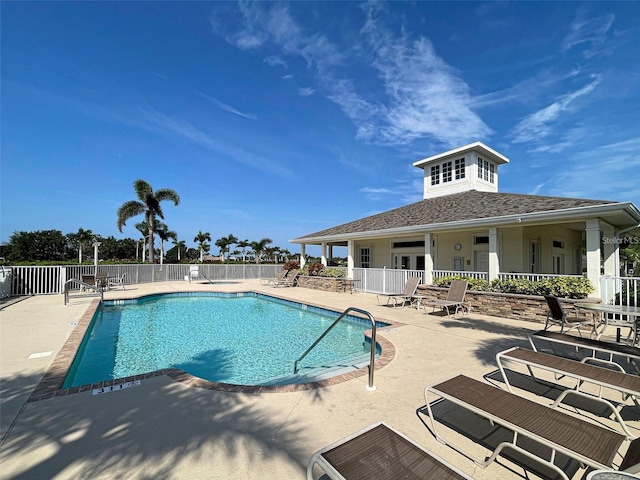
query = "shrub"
{"x": 566, "y": 287}
{"x": 313, "y": 268}
{"x": 332, "y": 272}
{"x": 292, "y": 265}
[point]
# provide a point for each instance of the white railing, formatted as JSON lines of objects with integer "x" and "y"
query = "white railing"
{"x": 620, "y": 290}
{"x": 533, "y": 277}
{"x": 383, "y": 280}
{"x": 50, "y": 280}
{"x": 458, "y": 273}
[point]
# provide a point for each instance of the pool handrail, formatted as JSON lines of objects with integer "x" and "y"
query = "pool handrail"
{"x": 372, "y": 358}
{"x": 96, "y": 288}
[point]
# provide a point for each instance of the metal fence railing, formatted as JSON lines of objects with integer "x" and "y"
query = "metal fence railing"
{"x": 383, "y": 280}
{"x": 620, "y": 290}
{"x": 37, "y": 280}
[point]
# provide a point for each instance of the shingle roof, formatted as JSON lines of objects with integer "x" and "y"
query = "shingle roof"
{"x": 470, "y": 205}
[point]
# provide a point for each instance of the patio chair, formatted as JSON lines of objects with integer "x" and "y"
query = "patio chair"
{"x": 289, "y": 280}
{"x": 580, "y": 374}
{"x": 378, "y": 451}
{"x": 557, "y": 316}
{"x": 624, "y": 358}
{"x": 271, "y": 281}
{"x": 407, "y": 294}
{"x": 114, "y": 282}
{"x": 532, "y": 426}
{"x": 194, "y": 272}
{"x": 454, "y": 300}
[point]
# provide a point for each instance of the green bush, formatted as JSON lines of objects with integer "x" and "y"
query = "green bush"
{"x": 332, "y": 272}
{"x": 565, "y": 287}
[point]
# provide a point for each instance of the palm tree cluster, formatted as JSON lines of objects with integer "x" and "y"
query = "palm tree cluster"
{"x": 148, "y": 204}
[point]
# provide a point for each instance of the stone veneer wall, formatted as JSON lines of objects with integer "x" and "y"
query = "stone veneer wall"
{"x": 508, "y": 305}
{"x": 327, "y": 284}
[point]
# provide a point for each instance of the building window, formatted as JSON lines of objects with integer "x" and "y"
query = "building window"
{"x": 435, "y": 175}
{"x": 365, "y": 257}
{"x": 446, "y": 172}
{"x": 459, "y": 163}
{"x": 486, "y": 170}
{"x": 481, "y": 240}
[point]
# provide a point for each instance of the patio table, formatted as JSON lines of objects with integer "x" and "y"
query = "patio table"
{"x": 606, "y": 310}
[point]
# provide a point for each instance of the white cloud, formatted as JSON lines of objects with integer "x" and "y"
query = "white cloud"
{"x": 306, "y": 92}
{"x": 423, "y": 97}
{"x": 538, "y": 125}
{"x": 275, "y": 61}
{"x": 225, "y": 107}
{"x": 591, "y": 31}
{"x": 376, "y": 190}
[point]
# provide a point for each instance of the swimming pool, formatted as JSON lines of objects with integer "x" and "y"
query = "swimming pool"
{"x": 236, "y": 338}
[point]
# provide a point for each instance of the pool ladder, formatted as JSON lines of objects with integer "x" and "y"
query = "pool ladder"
{"x": 372, "y": 359}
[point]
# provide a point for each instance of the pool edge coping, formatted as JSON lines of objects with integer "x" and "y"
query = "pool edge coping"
{"x": 50, "y": 385}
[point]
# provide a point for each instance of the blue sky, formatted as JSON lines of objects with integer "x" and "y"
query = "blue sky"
{"x": 281, "y": 119}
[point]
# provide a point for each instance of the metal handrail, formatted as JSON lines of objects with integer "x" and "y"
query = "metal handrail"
{"x": 370, "y": 386}
{"x": 82, "y": 284}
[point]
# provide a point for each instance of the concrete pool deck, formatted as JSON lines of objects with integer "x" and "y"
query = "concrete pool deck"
{"x": 164, "y": 429}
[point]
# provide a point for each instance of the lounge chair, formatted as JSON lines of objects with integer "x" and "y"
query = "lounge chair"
{"x": 116, "y": 281}
{"x": 271, "y": 281}
{"x": 289, "y": 280}
{"x": 407, "y": 294}
{"x": 454, "y": 300}
{"x": 380, "y": 452}
{"x": 581, "y": 373}
{"x": 590, "y": 445}
{"x": 557, "y": 316}
{"x": 611, "y": 354}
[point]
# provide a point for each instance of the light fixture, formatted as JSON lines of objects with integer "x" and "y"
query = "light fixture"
{"x": 457, "y": 246}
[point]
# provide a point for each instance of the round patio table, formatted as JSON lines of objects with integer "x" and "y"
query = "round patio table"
{"x": 610, "y": 475}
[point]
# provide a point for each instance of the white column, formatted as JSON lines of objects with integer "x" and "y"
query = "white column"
{"x": 610, "y": 251}
{"x": 350, "y": 258}
{"x": 303, "y": 254}
{"x": 428, "y": 260}
{"x": 593, "y": 254}
{"x": 494, "y": 261}
{"x": 323, "y": 253}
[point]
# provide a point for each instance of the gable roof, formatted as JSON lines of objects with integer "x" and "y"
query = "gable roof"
{"x": 470, "y": 207}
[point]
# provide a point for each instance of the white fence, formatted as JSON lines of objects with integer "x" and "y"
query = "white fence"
{"x": 620, "y": 290}
{"x": 51, "y": 280}
{"x": 383, "y": 280}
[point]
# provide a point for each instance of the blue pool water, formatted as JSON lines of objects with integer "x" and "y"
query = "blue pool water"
{"x": 244, "y": 339}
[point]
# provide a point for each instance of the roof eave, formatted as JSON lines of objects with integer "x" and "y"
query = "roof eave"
{"x": 577, "y": 213}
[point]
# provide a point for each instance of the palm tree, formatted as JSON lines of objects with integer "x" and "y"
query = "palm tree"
{"x": 165, "y": 234}
{"x": 180, "y": 244}
{"x": 243, "y": 244}
{"x": 143, "y": 228}
{"x": 201, "y": 238}
{"x": 80, "y": 240}
{"x": 225, "y": 243}
{"x": 259, "y": 246}
{"x": 148, "y": 203}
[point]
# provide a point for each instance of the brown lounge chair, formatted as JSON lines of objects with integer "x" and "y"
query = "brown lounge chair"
{"x": 557, "y": 316}
{"x": 614, "y": 355}
{"x": 289, "y": 280}
{"x": 454, "y": 300}
{"x": 407, "y": 294}
{"x": 580, "y": 374}
{"x": 271, "y": 281}
{"x": 588, "y": 444}
{"x": 378, "y": 452}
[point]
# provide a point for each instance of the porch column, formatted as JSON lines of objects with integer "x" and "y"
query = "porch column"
{"x": 593, "y": 254}
{"x": 303, "y": 254}
{"x": 323, "y": 253}
{"x": 351, "y": 254}
{"x": 494, "y": 261}
{"x": 428, "y": 260}
{"x": 610, "y": 251}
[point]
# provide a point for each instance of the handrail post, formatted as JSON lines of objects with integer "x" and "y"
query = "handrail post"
{"x": 372, "y": 358}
